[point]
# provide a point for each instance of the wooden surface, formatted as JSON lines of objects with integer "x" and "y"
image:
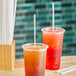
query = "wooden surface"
{"x": 19, "y": 68}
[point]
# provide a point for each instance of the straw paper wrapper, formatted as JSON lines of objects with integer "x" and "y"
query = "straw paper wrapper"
{"x": 0, "y": 20}
{"x": 14, "y": 10}
{"x": 67, "y": 70}
{"x": 14, "y": 15}
{"x": 11, "y": 21}
{"x": 4, "y": 17}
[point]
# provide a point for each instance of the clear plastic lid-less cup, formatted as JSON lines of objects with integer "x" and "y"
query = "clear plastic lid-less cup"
{"x": 34, "y": 58}
{"x": 53, "y": 37}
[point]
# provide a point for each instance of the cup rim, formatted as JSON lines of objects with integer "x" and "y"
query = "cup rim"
{"x": 57, "y": 28}
{"x": 28, "y": 44}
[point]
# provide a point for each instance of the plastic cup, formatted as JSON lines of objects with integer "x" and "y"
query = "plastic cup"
{"x": 34, "y": 59}
{"x": 54, "y": 39}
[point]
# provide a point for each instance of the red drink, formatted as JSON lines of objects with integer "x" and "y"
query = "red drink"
{"x": 54, "y": 39}
{"x": 34, "y": 59}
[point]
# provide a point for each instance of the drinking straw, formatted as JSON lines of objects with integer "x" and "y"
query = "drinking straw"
{"x": 4, "y": 21}
{"x": 34, "y": 29}
{"x": 14, "y": 14}
{"x": 67, "y": 70}
{"x": 53, "y": 15}
{"x": 11, "y": 10}
{"x": 14, "y": 9}
{"x": 13, "y": 19}
{"x": 0, "y": 20}
{"x": 9, "y": 21}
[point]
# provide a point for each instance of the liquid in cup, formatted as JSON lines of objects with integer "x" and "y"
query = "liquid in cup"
{"x": 34, "y": 59}
{"x": 54, "y": 39}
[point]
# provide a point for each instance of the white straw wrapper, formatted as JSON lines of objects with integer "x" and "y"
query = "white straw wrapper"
{"x": 4, "y": 18}
{"x": 0, "y": 21}
{"x": 11, "y": 10}
{"x": 67, "y": 70}
{"x": 14, "y": 15}
{"x": 9, "y": 21}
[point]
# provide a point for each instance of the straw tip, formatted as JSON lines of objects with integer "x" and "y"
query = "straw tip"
{"x": 53, "y": 3}
{"x": 34, "y": 14}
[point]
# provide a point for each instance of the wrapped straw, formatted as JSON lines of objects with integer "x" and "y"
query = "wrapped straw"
{"x": 4, "y": 20}
{"x": 7, "y": 20}
{"x": 14, "y": 15}
{"x": 67, "y": 70}
{"x": 11, "y": 20}
{"x": 0, "y": 20}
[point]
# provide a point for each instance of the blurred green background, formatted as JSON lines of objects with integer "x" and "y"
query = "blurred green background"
{"x": 65, "y": 16}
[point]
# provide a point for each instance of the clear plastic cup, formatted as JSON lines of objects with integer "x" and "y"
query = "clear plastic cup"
{"x": 34, "y": 59}
{"x": 54, "y": 39}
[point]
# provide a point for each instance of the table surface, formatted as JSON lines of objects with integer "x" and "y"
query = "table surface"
{"x": 66, "y": 61}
